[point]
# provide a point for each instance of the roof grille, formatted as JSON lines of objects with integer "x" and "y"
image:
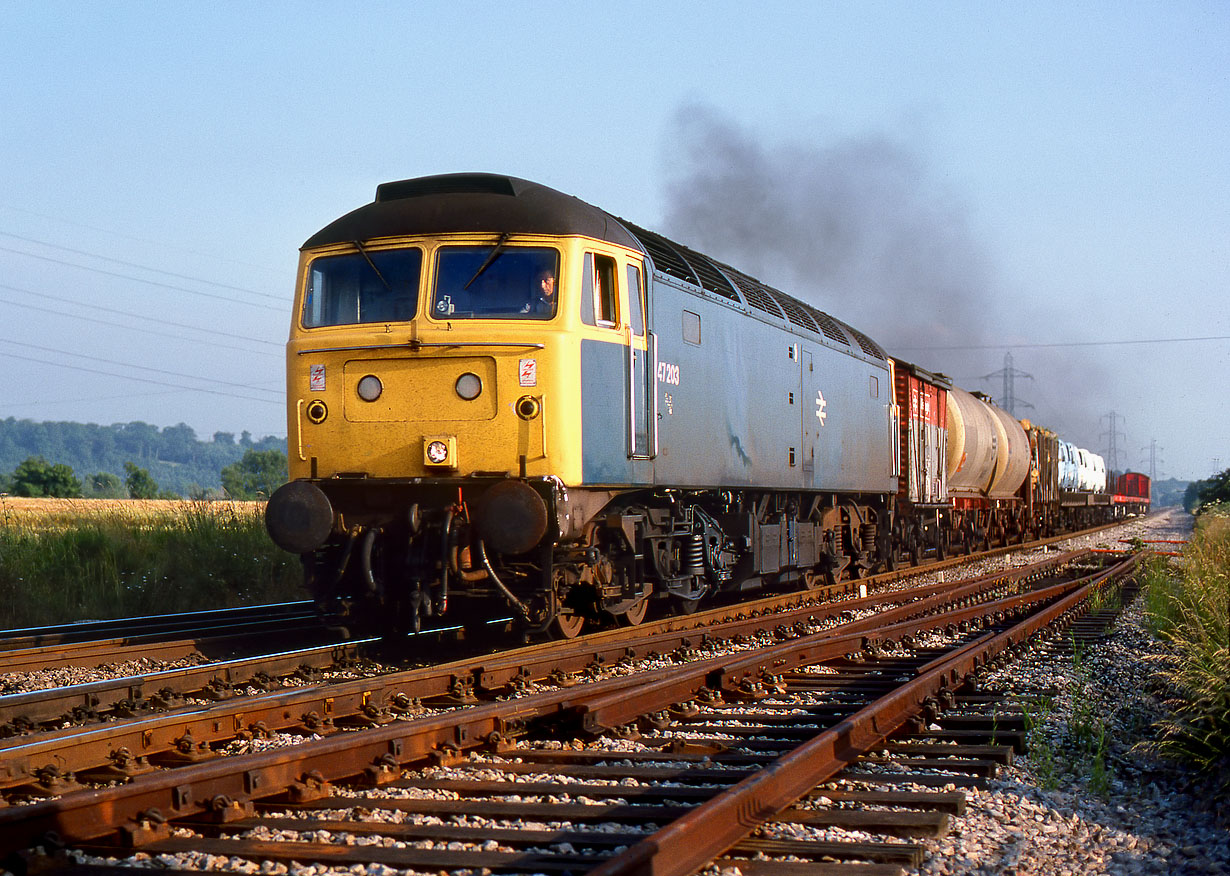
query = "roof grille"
{"x": 754, "y": 292}
{"x": 830, "y": 327}
{"x": 758, "y": 297}
{"x": 692, "y": 267}
{"x": 665, "y": 257}
{"x": 794, "y": 310}
{"x": 711, "y": 277}
{"x": 448, "y": 184}
{"x": 682, "y": 263}
{"x": 870, "y": 347}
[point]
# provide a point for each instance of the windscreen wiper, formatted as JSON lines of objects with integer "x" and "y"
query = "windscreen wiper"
{"x": 363, "y": 253}
{"x": 495, "y": 251}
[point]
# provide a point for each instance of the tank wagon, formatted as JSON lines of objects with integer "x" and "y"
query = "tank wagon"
{"x": 503, "y": 396}
{"x": 504, "y": 400}
{"x": 973, "y": 476}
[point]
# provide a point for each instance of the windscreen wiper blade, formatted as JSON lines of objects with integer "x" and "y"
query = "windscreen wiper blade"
{"x": 495, "y": 251}
{"x": 372, "y": 264}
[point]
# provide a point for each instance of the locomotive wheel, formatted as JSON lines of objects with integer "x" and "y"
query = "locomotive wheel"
{"x": 568, "y": 626}
{"x": 635, "y": 615}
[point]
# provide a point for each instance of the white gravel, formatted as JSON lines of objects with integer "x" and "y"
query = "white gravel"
{"x": 1060, "y": 811}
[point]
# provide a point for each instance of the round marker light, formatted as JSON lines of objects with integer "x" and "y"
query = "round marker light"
{"x": 437, "y": 452}
{"x": 469, "y": 386}
{"x": 370, "y": 388}
{"x": 528, "y": 407}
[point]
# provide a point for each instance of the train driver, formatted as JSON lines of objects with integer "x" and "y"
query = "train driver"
{"x": 543, "y": 303}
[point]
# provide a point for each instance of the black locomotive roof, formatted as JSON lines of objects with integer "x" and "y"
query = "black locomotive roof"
{"x": 471, "y": 202}
{"x": 488, "y": 202}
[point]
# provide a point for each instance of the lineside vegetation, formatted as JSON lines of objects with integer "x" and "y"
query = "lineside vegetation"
{"x": 1191, "y": 611}
{"x": 65, "y": 560}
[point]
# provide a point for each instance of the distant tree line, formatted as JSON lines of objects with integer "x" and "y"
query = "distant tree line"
{"x": 135, "y": 459}
{"x": 1201, "y": 494}
{"x": 1169, "y": 492}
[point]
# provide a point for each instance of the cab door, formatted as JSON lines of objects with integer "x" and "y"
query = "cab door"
{"x": 642, "y": 391}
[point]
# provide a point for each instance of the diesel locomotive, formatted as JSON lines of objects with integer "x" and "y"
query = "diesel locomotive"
{"x": 505, "y": 401}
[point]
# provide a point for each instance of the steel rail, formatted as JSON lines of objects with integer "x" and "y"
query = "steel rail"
{"x": 690, "y": 842}
{"x": 97, "y": 653}
{"x": 213, "y": 680}
{"x": 226, "y": 786}
{"x": 31, "y": 637}
{"x": 823, "y": 595}
{"x": 736, "y": 670}
{"x": 191, "y": 730}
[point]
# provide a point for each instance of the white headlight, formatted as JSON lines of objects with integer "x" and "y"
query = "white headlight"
{"x": 370, "y": 388}
{"x": 469, "y": 386}
{"x": 437, "y": 452}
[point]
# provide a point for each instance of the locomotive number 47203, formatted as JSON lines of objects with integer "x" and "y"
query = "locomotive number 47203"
{"x": 668, "y": 373}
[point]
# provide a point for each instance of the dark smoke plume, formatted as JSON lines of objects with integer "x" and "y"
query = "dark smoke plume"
{"x": 859, "y": 228}
{"x": 854, "y": 226}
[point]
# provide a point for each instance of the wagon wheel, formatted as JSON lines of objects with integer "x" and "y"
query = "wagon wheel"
{"x": 568, "y": 626}
{"x": 635, "y": 615}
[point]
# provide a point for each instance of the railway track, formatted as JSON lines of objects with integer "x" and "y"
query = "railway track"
{"x": 217, "y": 620}
{"x": 227, "y": 633}
{"x": 163, "y": 638}
{"x": 186, "y": 712}
{"x": 713, "y": 741}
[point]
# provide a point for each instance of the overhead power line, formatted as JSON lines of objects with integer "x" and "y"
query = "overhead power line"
{"x": 139, "y": 379}
{"x": 1066, "y": 344}
{"x": 134, "y": 315}
{"x": 141, "y": 280}
{"x": 94, "y": 320}
{"x": 139, "y": 367}
{"x": 141, "y": 240}
{"x": 91, "y": 398}
{"x": 114, "y": 261}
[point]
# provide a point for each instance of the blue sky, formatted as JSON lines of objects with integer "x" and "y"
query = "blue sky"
{"x": 1005, "y": 175}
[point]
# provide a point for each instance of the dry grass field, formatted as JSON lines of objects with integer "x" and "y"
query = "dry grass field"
{"x": 19, "y": 511}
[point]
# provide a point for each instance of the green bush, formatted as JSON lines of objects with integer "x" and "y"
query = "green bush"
{"x": 1192, "y": 613}
{"x": 107, "y": 566}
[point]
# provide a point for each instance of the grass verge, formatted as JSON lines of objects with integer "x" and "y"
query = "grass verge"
{"x": 111, "y": 563}
{"x": 1191, "y": 612}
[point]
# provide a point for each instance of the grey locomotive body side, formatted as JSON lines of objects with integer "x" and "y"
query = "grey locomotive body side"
{"x": 741, "y": 402}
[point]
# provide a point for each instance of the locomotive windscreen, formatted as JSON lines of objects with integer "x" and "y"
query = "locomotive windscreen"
{"x": 486, "y": 282}
{"x": 367, "y": 286}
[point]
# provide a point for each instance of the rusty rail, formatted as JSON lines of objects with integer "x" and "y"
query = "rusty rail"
{"x": 225, "y": 787}
{"x": 705, "y": 832}
{"x": 186, "y": 734}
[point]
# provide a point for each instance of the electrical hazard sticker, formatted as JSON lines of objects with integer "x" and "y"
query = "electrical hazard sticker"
{"x": 317, "y": 381}
{"x": 528, "y": 372}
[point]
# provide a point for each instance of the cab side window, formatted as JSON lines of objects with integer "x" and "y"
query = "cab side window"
{"x": 598, "y": 291}
{"x": 636, "y": 304}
